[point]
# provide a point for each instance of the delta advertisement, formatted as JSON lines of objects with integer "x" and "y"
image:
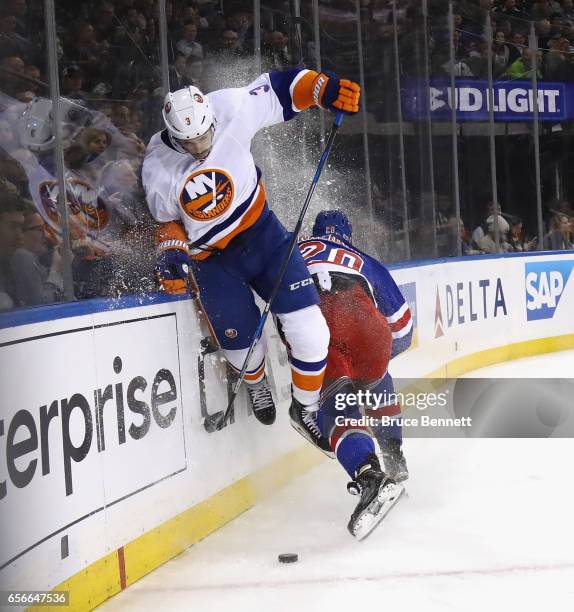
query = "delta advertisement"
{"x": 512, "y": 100}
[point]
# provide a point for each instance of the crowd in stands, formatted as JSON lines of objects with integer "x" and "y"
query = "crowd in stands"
{"x": 110, "y": 77}
{"x": 511, "y": 21}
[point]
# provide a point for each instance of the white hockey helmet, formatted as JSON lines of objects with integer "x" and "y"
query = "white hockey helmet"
{"x": 35, "y": 125}
{"x": 187, "y": 114}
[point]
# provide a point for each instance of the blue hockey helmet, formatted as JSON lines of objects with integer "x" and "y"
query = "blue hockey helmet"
{"x": 333, "y": 222}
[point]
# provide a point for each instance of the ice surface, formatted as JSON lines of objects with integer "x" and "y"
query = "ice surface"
{"x": 488, "y": 525}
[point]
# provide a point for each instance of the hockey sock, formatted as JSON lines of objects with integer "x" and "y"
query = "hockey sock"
{"x": 353, "y": 451}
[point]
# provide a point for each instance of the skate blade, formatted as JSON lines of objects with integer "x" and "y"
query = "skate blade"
{"x": 307, "y": 437}
{"x": 388, "y": 496}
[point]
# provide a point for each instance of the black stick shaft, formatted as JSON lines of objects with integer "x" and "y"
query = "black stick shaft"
{"x": 275, "y": 289}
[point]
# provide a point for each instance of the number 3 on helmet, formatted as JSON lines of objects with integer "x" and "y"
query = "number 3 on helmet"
{"x": 187, "y": 114}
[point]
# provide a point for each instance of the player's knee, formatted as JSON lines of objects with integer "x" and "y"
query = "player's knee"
{"x": 307, "y": 333}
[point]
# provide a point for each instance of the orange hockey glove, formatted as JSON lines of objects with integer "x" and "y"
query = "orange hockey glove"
{"x": 328, "y": 91}
{"x": 172, "y": 266}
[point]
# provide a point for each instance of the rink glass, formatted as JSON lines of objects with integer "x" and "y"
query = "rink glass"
{"x": 415, "y": 184}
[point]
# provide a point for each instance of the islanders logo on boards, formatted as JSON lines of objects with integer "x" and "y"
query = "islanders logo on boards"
{"x": 87, "y": 210}
{"x": 207, "y": 194}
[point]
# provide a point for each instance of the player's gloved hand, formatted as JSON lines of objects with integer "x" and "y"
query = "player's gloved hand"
{"x": 334, "y": 94}
{"x": 172, "y": 267}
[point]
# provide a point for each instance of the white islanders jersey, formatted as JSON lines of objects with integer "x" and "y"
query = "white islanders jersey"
{"x": 221, "y": 196}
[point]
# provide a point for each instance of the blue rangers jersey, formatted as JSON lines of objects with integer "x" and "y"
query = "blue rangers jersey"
{"x": 325, "y": 255}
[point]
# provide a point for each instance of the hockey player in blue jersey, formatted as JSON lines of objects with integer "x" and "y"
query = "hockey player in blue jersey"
{"x": 206, "y": 193}
{"x": 369, "y": 323}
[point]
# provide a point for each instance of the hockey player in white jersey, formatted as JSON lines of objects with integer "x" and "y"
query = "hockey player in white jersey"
{"x": 205, "y": 191}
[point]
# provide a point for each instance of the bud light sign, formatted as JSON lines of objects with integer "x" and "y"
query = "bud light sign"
{"x": 512, "y": 100}
{"x": 545, "y": 284}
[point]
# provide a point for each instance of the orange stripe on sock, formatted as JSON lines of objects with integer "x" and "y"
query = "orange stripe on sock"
{"x": 307, "y": 382}
{"x": 257, "y": 375}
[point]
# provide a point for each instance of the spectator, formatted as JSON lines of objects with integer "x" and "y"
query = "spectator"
{"x": 560, "y": 237}
{"x": 73, "y": 82}
{"x": 132, "y": 143}
{"x": 558, "y": 66}
{"x": 33, "y": 81}
{"x": 104, "y": 24}
{"x": 241, "y": 22}
{"x": 11, "y": 222}
{"x": 568, "y": 10}
{"x": 188, "y": 45}
{"x": 517, "y": 240}
{"x": 86, "y": 155}
{"x": 177, "y": 73}
{"x": 518, "y": 42}
{"x": 11, "y": 43}
{"x": 193, "y": 70}
{"x": 522, "y": 68}
{"x": 543, "y": 33}
{"x": 466, "y": 247}
{"x": 95, "y": 142}
{"x": 477, "y": 61}
{"x": 543, "y": 9}
{"x": 19, "y": 9}
{"x": 463, "y": 28}
{"x": 11, "y": 69}
{"x": 37, "y": 265}
{"x": 83, "y": 49}
{"x": 474, "y": 13}
{"x": 487, "y": 244}
{"x": 481, "y": 230}
{"x": 26, "y": 96}
{"x": 229, "y": 44}
{"x": 132, "y": 19}
{"x": 500, "y": 53}
{"x": 276, "y": 52}
{"x": 120, "y": 188}
{"x": 505, "y": 25}
{"x": 510, "y": 10}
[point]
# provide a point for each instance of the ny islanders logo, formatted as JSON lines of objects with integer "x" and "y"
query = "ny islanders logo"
{"x": 207, "y": 194}
{"x": 86, "y": 208}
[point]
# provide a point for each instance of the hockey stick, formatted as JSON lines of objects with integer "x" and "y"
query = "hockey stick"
{"x": 219, "y": 420}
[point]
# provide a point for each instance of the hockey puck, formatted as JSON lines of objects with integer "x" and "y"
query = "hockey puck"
{"x": 288, "y": 558}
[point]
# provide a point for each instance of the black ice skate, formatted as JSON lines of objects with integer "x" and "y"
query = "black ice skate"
{"x": 305, "y": 423}
{"x": 379, "y": 494}
{"x": 262, "y": 401}
{"x": 395, "y": 462}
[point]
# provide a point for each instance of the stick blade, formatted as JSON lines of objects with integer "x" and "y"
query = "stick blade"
{"x": 214, "y": 422}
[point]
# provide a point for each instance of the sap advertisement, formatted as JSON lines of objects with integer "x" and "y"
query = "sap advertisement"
{"x": 545, "y": 284}
{"x": 512, "y": 100}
